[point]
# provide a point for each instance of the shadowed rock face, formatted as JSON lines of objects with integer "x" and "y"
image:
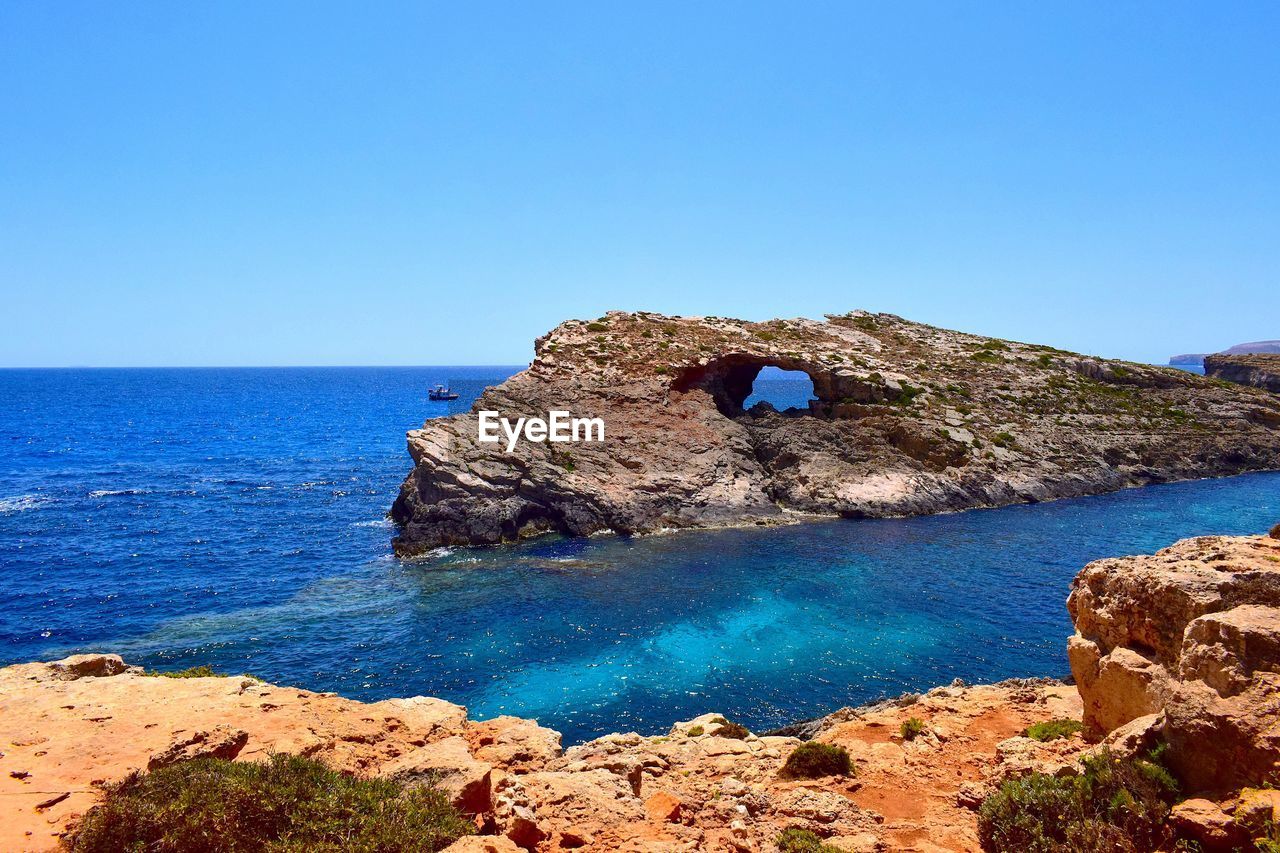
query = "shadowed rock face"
{"x": 909, "y": 419}
{"x": 1260, "y": 371}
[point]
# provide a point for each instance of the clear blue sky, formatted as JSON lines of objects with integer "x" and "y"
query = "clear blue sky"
{"x": 312, "y": 183}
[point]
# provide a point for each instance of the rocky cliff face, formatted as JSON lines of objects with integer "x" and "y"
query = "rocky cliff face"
{"x": 1184, "y": 646}
{"x": 909, "y": 419}
{"x": 1259, "y": 371}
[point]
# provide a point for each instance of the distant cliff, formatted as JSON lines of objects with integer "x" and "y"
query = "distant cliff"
{"x": 1260, "y": 371}
{"x": 909, "y": 419}
{"x": 1238, "y": 349}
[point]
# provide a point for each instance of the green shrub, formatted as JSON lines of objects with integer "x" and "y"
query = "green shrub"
{"x": 911, "y": 728}
{"x": 795, "y": 840}
{"x": 730, "y": 730}
{"x": 1275, "y": 532}
{"x": 907, "y": 394}
{"x": 1270, "y": 840}
{"x": 597, "y": 327}
{"x": 288, "y": 805}
{"x": 697, "y": 731}
{"x": 813, "y": 760}
{"x": 1115, "y": 805}
{"x": 1052, "y": 730}
{"x": 1004, "y": 439}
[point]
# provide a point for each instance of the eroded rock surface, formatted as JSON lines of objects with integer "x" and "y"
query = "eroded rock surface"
{"x": 693, "y": 788}
{"x": 1190, "y": 639}
{"x": 1259, "y": 371}
{"x": 909, "y": 419}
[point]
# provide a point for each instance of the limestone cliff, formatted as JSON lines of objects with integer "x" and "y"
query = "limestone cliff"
{"x": 909, "y": 419}
{"x": 1259, "y": 371}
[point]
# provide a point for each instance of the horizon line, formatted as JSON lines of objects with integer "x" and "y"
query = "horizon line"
{"x": 246, "y": 366}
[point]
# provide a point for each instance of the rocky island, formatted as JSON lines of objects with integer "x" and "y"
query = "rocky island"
{"x": 1176, "y": 655}
{"x": 908, "y": 419}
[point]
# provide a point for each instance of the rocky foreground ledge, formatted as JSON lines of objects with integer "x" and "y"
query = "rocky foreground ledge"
{"x": 909, "y": 419}
{"x": 1180, "y": 648}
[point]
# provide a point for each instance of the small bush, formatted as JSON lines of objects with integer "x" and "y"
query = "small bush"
{"x": 597, "y": 327}
{"x": 907, "y": 394}
{"x": 697, "y": 731}
{"x": 1275, "y": 532}
{"x": 730, "y": 730}
{"x": 1004, "y": 439}
{"x": 911, "y": 728}
{"x": 287, "y": 805}
{"x": 1052, "y": 730}
{"x": 813, "y": 760}
{"x": 1114, "y": 805}
{"x": 795, "y": 840}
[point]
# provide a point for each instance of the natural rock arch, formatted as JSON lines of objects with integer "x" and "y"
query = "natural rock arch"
{"x": 729, "y": 379}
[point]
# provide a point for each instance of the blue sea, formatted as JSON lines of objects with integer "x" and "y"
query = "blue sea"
{"x": 235, "y": 517}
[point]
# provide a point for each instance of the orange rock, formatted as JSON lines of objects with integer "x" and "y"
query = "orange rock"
{"x": 663, "y": 807}
{"x": 1202, "y": 821}
{"x": 483, "y": 844}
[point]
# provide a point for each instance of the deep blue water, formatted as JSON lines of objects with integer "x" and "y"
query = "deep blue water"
{"x": 235, "y": 518}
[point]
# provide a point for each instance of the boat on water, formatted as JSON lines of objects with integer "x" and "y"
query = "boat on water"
{"x": 441, "y": 392}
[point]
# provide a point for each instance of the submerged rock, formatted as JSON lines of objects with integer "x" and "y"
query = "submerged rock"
{"x": 908, "y": 419}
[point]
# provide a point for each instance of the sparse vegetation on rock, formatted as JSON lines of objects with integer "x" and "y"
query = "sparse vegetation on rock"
{"x": 795, "y": 840}
{"x": 1114, "y": 805}
{"x": 814, "y": 760}
{"x": 289, "y": 804}
{"x": 1053, "y": 730}
{"x": 201, "y": 671}
{"x": 911, "y": 728}
{"x": 730, "y": 730}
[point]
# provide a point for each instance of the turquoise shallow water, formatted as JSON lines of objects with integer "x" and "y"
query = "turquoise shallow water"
{"x": 235, "y": 517}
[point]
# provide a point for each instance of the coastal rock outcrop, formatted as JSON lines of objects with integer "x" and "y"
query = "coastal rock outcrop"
{"x": 1186, "y": 645}
{"x": 1259, "y": 371}
{"x": 907, "y": 419}
{"x": 1180, "y": 648}
{"x": 701, "y": 786}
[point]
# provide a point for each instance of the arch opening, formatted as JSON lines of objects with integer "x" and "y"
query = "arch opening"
{"x": 787, "y": 384}
{"x": 784, "y": 390}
